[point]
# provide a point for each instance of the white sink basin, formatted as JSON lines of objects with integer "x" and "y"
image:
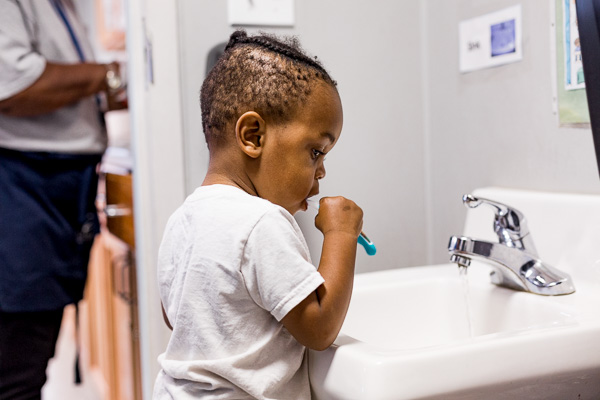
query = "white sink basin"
{"x": 387, "y": 306}
{"x": 407, "y": 334}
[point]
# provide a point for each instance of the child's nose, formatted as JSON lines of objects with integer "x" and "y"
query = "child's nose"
{"x": 320, "y": 172}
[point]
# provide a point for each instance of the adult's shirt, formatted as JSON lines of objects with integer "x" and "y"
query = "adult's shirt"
{"x": 33, "y": 33}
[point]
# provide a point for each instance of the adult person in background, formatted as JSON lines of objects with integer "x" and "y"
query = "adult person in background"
{"x": 52, "y": 138}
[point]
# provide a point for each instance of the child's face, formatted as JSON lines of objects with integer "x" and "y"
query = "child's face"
{"x": 293, "y": 154}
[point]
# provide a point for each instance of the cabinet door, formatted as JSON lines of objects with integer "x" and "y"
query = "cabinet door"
{"x": 125, "y": 320}
{"x": 100, "y": 318}
{"x": 111, "y": 295}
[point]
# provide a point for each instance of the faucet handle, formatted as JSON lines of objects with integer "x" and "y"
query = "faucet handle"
{"x": 471, "y": 201}
{"x": 509, "y": 223}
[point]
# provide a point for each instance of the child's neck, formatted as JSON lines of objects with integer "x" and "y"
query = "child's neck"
{"x": 228, "y": 166}
{"x": 216, "y": 177}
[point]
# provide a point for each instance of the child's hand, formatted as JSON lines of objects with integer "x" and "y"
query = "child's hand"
{"x": 339, "y": 214}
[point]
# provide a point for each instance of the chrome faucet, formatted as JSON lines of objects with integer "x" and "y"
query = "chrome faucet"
{"x": 514, "y": 258}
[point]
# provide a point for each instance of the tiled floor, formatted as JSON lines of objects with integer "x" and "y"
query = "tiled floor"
{"x": 61, "y": 375}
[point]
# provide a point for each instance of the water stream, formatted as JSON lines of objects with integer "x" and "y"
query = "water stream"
{"x": 462, "y": 270}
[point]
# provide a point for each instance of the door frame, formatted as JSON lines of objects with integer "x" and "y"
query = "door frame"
{"x": 154, "y": 91}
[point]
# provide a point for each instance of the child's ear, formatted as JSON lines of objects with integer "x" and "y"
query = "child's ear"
{"x": 250, "y": 131}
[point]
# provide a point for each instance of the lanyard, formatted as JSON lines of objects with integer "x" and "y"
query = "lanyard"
{"x": 58, "y": 6}
{"x": 63, "y": 15}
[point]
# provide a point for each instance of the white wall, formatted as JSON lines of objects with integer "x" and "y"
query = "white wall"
{"x": 495, "y": 126}
{"x": 373, "y": 50}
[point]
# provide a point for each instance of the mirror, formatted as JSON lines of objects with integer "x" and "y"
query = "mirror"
{"x": 588, "y": 15}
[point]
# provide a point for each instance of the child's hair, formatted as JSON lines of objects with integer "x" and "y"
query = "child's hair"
{"x": 261, "y": 73}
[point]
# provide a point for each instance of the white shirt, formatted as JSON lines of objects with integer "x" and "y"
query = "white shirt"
{"x": 32, "y": 34}
{"x": 230, "y": 267}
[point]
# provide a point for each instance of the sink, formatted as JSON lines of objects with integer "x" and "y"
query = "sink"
{"x": 407, "y": 336}
{"x": 430, "y": 332}
{"x": 386, "y": 306}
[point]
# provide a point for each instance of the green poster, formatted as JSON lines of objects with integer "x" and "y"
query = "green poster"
{"x": 572, "y": 101}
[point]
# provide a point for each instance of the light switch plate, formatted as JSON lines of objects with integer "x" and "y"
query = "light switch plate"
{"x": 261, "y": 12}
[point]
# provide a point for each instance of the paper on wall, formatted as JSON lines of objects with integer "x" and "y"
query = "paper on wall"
{"x": 490, "y": 40}
{"x": 573, "y": 65}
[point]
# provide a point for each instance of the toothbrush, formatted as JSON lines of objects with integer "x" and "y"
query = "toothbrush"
{"x": 369, "y": 246}
{"x": 363, "y": 239}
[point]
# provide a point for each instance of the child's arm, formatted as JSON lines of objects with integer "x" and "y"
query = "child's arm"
{"x": 317, "y": 320}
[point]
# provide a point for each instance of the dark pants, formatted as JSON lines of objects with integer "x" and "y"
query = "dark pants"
{"x": 48, "y": 221}
{"x": 27, "y": 343}
{"x": 47, "y": 225}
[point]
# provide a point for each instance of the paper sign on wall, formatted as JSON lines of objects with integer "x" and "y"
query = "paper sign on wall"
{"x": 490, "y": 40}
{"x": 573, "y": 62}
{"x": 261, "y": 12}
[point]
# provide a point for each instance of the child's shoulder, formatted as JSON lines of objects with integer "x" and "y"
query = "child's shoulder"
{"x": 226, "y": 214}
{"x": 229, "y": 203}
{"x": 226, "y": 195}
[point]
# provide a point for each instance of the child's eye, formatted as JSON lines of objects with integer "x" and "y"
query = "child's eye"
{"x": 316, "y": 153}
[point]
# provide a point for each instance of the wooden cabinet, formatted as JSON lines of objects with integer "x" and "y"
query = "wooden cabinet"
{"x": 111, "y": 295}
{"x": 119, "y": 207}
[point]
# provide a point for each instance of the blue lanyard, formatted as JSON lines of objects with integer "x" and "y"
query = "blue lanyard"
{"x": 61, "y": 12}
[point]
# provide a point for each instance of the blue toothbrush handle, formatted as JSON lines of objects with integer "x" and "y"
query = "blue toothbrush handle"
{"x": 367, "y": 244}
{"x": 362, "y": 238}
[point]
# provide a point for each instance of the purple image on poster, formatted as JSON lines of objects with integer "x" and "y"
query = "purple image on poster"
{"x": 503, "y": 38}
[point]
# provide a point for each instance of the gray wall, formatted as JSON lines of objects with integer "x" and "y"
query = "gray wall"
{"x": 374, "y": 53}
{"x": 417, "y": 133}
{"x": 495, "y": 126}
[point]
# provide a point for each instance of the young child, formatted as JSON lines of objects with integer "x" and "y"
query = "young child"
{"x": 235, "y": 275}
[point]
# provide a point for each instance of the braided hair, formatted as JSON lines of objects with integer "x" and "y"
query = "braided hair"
{"x": 259, "y": 73}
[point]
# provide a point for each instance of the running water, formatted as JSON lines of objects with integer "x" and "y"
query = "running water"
{"x": 462, "y": 270}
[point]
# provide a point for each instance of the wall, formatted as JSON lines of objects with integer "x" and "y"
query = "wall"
{"x": 495, "y": 126}
{"x": 374, "y": 53}
{"x": 157, "y": 146}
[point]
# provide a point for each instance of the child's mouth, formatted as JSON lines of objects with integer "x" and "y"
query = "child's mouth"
{"x": 304, "y": 204}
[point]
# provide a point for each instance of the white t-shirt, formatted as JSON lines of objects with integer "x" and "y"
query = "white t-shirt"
{"x": 231, "y": 266}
